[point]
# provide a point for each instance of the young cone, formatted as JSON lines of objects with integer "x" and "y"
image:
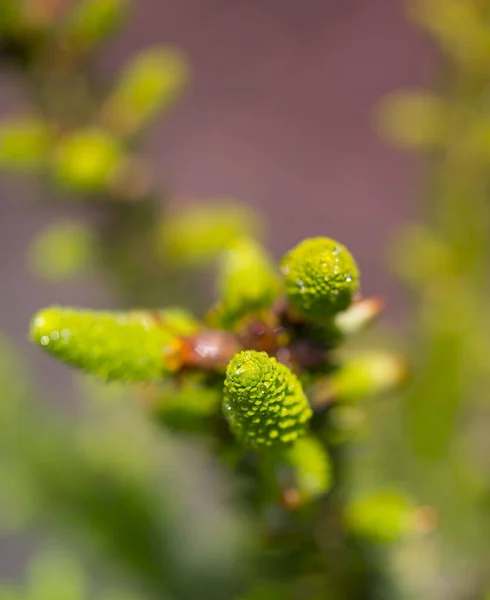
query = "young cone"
{"x": 134, "y": 346}
{"x": 264, "y": 401}
{"x": 321, "y": 277}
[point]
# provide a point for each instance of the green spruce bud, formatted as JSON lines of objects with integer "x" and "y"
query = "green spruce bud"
{"x": 383, "y": 515}
{"x": 62, "y": 250}
{"x": 134, "y": 346}
{"x": 24, "y": 142}
{"x": 91, "y": 21}
{"x": 413, "y": 119}
{"x": 311, "y": 468}
{"x": 361, "y": 375}
{"x": 198, "y": 233}
{"x": 264, "y": 401}
{"x": 321, "y": 277}
{"x": 149, "y": 83}
{"x": 87, "y": 160}
{"x": 248, "y": 281}
{"x": 367, "y": 374}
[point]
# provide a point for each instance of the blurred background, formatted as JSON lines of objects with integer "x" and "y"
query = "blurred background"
{"x": 278, "y": 113}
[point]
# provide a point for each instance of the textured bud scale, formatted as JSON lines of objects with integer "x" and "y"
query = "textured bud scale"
{"x": 321, "y": 277}
{"x": 264, "y": 401}
{"x": 133, "y": 346}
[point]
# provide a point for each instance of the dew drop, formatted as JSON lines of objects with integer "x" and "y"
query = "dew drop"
{"x": 39, "y": 322}
{"x": 263, "y": 387}
{"x": 44, "y": 340}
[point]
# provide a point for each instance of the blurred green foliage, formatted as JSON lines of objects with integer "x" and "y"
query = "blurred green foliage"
{"x": 148, "y": 85}
{"x": 248, "y": 282}
{"x": 384, "y": 516}
{"x": 151, "y": 492}
{"x": 444, "y": 261}
{"x": 24, "y": 142}
{"x": 90, "y": 21}
{"x": 87, "y": 160}
{"x": 62, "y": 250}
{"x": 195, "y": 234}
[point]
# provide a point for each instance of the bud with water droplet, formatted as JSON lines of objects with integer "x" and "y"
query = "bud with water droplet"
{"x": 321, "y": 277}
{"x": 125, "y": 346}
{"x": 264, "y": 401}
